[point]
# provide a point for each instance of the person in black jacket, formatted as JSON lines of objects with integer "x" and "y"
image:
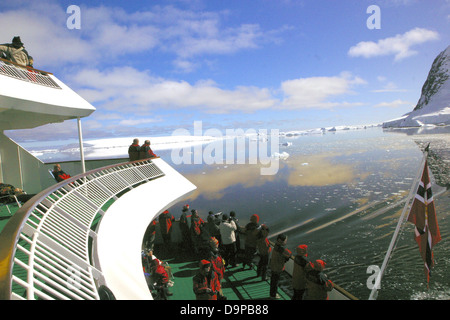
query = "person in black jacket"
{"x": 251, "y": 232}
{"x": 299, "y": 275}
{"x": 133, "y": 150}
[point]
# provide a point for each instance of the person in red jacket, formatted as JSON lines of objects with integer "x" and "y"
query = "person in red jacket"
{"x": 197, "y": 224}
{"x": 150, "y": 235}
{"x": 218, "y": 264}
{"x": 165, "y": 222}
{"x": 160, "y": 276}
{"x": 317, "y": 283}
{"x": 206, "y": 284}
{"x": 59, "y": 174}
{"x": 146, "y": 152}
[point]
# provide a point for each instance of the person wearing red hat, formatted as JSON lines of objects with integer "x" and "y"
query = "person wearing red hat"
{"x": 160, "y": 276}
{"x": 280, "y": 255}
{"x": 150, "y": 235}
{"x": 197, "y": 225}
{"x": 165, "y": 223}
{"x": 217, "y": 264}
{"x": 317, "y": 283}
{"x": 298, "y": 274}
{"x": 206, "y": 282}
{"x": 251, "y": 232}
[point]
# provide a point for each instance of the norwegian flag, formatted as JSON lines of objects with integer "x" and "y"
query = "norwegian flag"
{"x": 423, "y": 215}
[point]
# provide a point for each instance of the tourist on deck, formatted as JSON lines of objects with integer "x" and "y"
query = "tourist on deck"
{"x": 212, "y": 225}
{"x": 160, "y": 276}
{"x": 228, "y": 234}
{"x": 251, "y": 231}
{"x": 9, "y": 194}
{"x": 145, "y": 152}
{"x": 184, "y": 227}
{"x": 134, "y": 149}
{"x": 197, "y": 224}
{"x": 206, "y": 282}
{"x": 298, "y": 274}
{"x": 236, "y": 222}
{"x": 165, "y": 223}
{"x": 263, "y": 248}
{"x": 150, "y": 235}
{"x": 217, "y": 263}
{"x": 317, "y": 283}
{"x": 16, "y": 53}
{"x": 280, "y": 255}
{"x": 59, "y": 174}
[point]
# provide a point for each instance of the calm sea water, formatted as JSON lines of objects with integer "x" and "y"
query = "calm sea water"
{"x": 339, "y": 193}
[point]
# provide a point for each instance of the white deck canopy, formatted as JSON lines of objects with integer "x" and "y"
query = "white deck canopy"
{"x": 122, "y": 229}
{"x": 31, "y": 98}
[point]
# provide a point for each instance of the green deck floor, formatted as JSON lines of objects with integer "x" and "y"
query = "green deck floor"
{"x": 6, "y": 212}
{"x": 238, "y": 284}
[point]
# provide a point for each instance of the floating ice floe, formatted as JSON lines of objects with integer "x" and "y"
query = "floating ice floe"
{"x": 282, "y": 156}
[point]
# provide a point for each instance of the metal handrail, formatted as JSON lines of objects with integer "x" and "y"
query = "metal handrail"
{"x": 47, "y": 249}
{"x": 28, "y": 74}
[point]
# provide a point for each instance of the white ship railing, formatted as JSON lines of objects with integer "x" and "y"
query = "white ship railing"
{"x": 48, "y": 248}
{"x": 27, "y": 74}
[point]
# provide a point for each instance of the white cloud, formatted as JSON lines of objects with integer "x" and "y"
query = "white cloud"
{"x": 316, "y": 92}
{"x": 134, "y": 122}
{"x": 393, "y": 104}
{"x": 126, "y": 89}
{"x": 399, "y": 46}
{"x": 112, "y": 32}
{"x": 130, "y": 91}
{"x": 389, "y": 87}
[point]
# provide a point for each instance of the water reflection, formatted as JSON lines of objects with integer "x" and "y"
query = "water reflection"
{"x": 340, "y": 193}
{"x": 213, "y": 181}
{"x": 318, "y": 170}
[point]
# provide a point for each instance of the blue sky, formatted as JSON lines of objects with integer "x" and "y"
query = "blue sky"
{"x": 151, "y": 67}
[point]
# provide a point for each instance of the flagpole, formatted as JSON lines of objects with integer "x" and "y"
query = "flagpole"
{"x": 374, "y": 292}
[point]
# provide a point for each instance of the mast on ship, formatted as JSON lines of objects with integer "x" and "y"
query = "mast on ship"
{"x": 421, "y": 213}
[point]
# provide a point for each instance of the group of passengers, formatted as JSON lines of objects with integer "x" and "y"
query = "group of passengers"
{"x": 137, "y": 152}
{"x": 217, "y": 244}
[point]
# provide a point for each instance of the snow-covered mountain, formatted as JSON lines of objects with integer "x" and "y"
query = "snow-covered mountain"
{"x": 433, "y": 107}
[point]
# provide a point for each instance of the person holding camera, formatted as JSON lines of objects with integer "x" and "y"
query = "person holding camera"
{"x": 228, "y": 234}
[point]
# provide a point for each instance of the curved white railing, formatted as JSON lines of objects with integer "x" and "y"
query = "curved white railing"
{"x": 48, "y": 248}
